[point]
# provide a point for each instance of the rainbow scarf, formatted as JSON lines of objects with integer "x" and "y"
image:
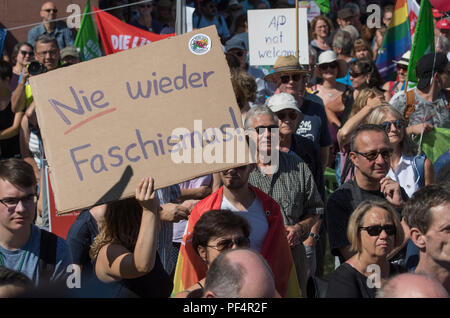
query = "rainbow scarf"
{"x": 396, "y": 42}
{"x": 190, "y": 267}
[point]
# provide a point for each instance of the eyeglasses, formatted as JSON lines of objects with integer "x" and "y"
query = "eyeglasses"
{"x": 323, "y": 67}
{"x": 262, "y": 129}
{"x": 51, "y": 52}
{"x": 292, "y": 115}
{"x": 373, "y": 155}
{"x": 227, "y": 244}
{"x": 286, "y": 78}
{"x": 50, "y": 10}
{"x": 399, "y": 124}
{"x": 25, "y": 53}
{"x": 402, "y": 67}
{"x": 375, "y": 230}
{"x": 11, "y": 203}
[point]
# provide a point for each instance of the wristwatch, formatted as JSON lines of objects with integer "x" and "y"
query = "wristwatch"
{"x": 315, "y": 236}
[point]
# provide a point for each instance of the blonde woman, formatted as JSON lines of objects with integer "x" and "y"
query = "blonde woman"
{"x": 374, "y": 231}
{"x": 410, "y": 169}
{"x": 125, "y": 252}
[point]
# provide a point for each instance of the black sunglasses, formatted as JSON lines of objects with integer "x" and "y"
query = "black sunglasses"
{"x": 372, "y": 155}
{"x": 226, "y": 244}
{"x": 262, "y": 129}
{"x": 146, "y": 5}
{"x": 375, "y": 230}
{"x": 238, "y": 53}
{"x": 399, "y": 124}
{"x": 323, "y": 67}
{"x": 292, "y": 115}
{"x": 286, "y": 78}
{"x": 402, "y": 67}
{"x": 50, "y": 10}
{"x": 354, "y": 74}
{"x": 24, "y": 53}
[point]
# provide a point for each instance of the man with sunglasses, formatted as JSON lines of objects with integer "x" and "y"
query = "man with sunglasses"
{"x": 267, "y": 236}
{"x": 289, "y": 182}
{"x": 239, "y": 48}
{"x": 428, "y": 102}
{"x": 56, "y": 29}
{"x": 40, "y": 255}
{"x": 290, "y": 77}
{"x": 370, "y": 153}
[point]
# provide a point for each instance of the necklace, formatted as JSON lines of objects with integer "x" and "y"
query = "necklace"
{"x": 24, "y": 254}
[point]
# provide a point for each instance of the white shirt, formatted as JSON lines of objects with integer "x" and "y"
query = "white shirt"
{"x": 255, "y": 217}
{"x": 405, "y": 175}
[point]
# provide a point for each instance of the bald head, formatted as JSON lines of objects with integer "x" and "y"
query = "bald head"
{"x": 412, "y": 286}
{"x": 240, "y": 273}
{"x": 48, "y": 11}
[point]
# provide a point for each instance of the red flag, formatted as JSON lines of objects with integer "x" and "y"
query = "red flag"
{"x": 118, "y": 36}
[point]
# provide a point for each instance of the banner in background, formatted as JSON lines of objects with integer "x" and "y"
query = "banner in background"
{"x": 119, "y": 36}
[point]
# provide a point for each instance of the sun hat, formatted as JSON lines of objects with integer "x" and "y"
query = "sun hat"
{"x": 330, "y": 56}
{"x": 70, "y": 51}
{"x": 282, "y": 101}
{"x": 404, "y": 60}
{"x": 286, "y": 64}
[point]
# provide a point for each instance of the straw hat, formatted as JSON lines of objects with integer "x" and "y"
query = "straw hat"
{"x": 329, "y": 57}
{"x": 286, "y": 64}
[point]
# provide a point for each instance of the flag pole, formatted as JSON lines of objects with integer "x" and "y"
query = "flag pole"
{"x": 180, "y": 21}
{"x": 296, "y": 31}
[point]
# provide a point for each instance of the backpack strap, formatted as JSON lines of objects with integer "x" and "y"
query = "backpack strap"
{"x": 47, "y": 256}
{"x": 410, "y": 104}
{"x": 419, "y": 164}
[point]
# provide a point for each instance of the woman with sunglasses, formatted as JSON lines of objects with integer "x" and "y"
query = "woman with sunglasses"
{"x": 393, "y": 87}
{"x": 333, "y": 93}
{"x": 215, "y": 232}
{"x": 22, "y": 56}
{"x": 374, "y": 230}
{"x": 410, "y": 169}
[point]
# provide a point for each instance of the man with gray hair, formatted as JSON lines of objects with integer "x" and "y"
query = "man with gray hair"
{"x": 288, "y": 180}
{"x": 343, "y": 46}
{"x": 239, "y": 273}
{"x": 410, "y": 285}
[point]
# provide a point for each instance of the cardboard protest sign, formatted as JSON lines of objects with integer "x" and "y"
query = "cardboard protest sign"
{"x": 271, "y": 34}
{"x": 165, "y": 110}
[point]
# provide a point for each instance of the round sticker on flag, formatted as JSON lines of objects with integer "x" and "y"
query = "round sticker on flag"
{"x": 200, "y": 44}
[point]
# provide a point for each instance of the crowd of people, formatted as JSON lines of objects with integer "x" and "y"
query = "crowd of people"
{"x": 260, "y": 230}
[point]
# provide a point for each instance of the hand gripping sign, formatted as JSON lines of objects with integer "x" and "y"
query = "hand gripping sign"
{"x": 110, "y": 121}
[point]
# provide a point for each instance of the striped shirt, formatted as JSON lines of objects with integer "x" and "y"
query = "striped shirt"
{"x": 292, "y": 187}
{"x": 166, "y": 195}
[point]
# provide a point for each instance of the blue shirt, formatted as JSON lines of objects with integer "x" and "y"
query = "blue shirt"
{"x": 314, "y": 125}
{"x": 200, "y": 21}
{"x": 61, "y": 33}
{"x": 246, "y": 5}
{"x": 28, "y": 255}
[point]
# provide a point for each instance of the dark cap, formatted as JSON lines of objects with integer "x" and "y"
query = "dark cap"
{"x": 428, "y": 65}
{"x": 345, "y": 13}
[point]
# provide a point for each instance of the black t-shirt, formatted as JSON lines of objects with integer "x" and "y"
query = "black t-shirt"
{"x": 347, "y": 282}
{"x": 340, "y": 206}
{"x": 9, "y": 147}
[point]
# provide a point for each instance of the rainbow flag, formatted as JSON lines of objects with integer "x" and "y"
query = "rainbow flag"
{"x": 396, "y": 42}
{"x": 190, "y": 268}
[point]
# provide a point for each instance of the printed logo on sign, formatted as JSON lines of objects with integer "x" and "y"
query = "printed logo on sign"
{"x": 200, "y": 44}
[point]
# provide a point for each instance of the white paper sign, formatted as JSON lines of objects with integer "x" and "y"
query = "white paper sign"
{"x": 272, "y": 33}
